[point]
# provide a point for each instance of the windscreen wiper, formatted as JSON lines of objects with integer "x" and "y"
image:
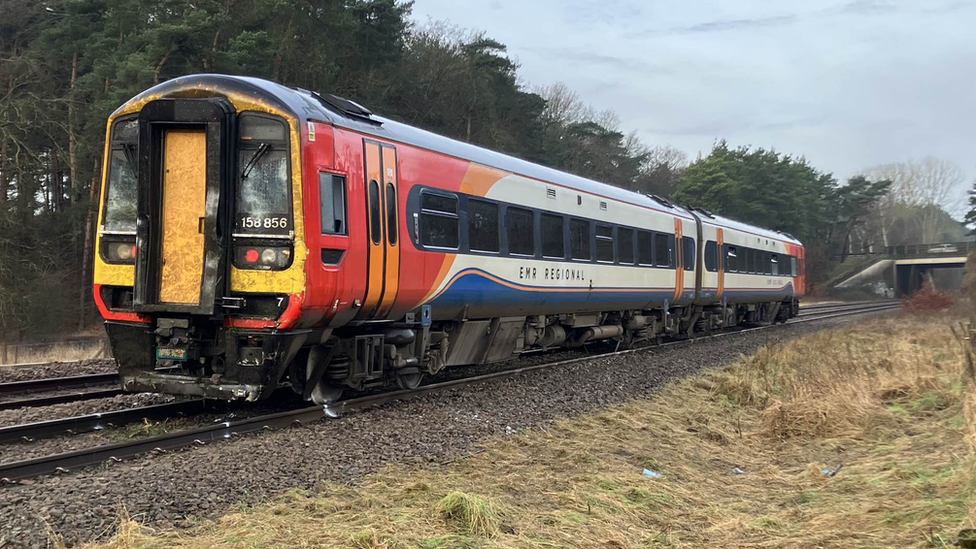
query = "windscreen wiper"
{"x": 129, "y": 150}
{"x": 262, "y": 149}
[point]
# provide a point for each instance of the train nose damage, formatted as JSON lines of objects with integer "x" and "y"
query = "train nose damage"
{"x": 205, "y": 179}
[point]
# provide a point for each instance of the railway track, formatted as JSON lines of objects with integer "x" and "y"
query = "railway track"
{"x": 67, "y": 461}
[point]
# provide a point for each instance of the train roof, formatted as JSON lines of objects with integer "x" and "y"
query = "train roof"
{"x": 309, "y": 105}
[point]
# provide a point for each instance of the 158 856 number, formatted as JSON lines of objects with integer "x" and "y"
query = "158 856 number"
{"x": 248, "y": 222}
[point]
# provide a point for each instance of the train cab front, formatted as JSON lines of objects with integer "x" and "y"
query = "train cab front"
{"x": 199, "y": 260}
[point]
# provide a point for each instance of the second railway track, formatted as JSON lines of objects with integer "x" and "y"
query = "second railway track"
{"x": 66, "y": 461}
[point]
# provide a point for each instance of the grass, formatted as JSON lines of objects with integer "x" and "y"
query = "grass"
{"x": 888, "y": 400}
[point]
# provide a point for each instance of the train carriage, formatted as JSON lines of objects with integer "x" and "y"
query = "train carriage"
{"x": 254, "y": 236}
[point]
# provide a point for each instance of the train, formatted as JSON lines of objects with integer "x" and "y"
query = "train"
{"x": 253, "y": 236}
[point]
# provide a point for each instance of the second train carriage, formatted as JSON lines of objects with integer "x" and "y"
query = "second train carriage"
{"x": 253, "y": 236}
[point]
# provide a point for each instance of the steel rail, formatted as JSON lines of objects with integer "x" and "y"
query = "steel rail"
{"x": 827, "y": 310}
{"x": 847, "y": 304}
{"x": 97, "y": 422}
{"x": 59, "y": 399}
{"x": 67, "y": 461}
{"x": 54, "y": 383}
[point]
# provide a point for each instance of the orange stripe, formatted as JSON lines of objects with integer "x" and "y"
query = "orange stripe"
{"x": 679, "y": 272}
{"x": 374, "y": 286}
{"x": 721, "y": 262}
{"x": 392, "y": 269}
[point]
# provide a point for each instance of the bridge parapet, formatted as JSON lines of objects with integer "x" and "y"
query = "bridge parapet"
{"x": 947, "y": 249}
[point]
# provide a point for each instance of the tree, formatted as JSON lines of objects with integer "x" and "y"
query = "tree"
{"x": 762, "y": 187}
{"x": 925, "y": 193}
{"x": 851, "y": 204}
{"x": 970, "y": 219}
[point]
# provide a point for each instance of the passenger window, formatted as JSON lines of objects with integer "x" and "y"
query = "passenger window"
{"x": 520, "y": 226}
{"x": 604, "y": 243}
{"x": 731, "y": 259}
{"x": 482, "y": 226}
{"x": 711, "y": 256}
{"x": 645, "y": 248}
{"x": 374, "y": 211}
{"x": 391, "y": 214}
{"x": 439, "y": 203}
{"x": 774, "y": 265}
{"x": 579, "y": 239}
{"x": 688, "y": 256}
{"x": 553, "y": 236}
{"x": 792, "y": 266}
{"x": 625, "y": 245}
{"x": 438, "y": 221}
{"x": 663, "y": 253}
{"x": 332, "y": 203}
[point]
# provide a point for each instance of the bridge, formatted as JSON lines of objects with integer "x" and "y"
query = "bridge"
{"x": 904, "y": 267}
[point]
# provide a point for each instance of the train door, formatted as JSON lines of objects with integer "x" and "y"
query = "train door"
{"x": 184, "y": 171}
{"x": 679, "y": 271}
{"x": 383, "y": 230}
{"x": 184, "y": 195}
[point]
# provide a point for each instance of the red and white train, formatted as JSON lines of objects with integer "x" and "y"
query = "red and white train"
{"x": 253, "y": 236}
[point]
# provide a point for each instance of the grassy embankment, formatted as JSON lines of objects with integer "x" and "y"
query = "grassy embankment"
{"x": 890, "y": 400}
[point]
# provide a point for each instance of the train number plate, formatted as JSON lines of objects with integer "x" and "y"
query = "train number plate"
{"x": 171, "y": 353}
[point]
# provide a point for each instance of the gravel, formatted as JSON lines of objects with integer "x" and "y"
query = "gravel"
{"x": 55, "y": 369}
{"x": 176, "y": 489}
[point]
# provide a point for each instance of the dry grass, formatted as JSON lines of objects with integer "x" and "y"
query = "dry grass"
{"x": 888, "y": 401}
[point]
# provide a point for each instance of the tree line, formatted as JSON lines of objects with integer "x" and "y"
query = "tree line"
{"x": 65, "y": 65}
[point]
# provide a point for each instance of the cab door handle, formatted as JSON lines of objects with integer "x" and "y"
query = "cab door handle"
{"x": 201, "y": 222}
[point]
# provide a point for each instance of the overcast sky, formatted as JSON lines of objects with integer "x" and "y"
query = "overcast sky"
{"x": 847, "y": 83}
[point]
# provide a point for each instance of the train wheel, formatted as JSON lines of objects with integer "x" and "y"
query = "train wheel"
{"x": 324, "y": 392}
{"x": 409, "y": 382}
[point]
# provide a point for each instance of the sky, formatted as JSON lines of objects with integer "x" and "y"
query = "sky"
{"x": 849, "y": 84}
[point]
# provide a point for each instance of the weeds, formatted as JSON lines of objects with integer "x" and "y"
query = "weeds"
{"x": 474, "y": 514}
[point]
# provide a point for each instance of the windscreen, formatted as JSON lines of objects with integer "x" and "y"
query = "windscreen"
{"x": 263, "y": 191}
{"x": 121, "y": 200}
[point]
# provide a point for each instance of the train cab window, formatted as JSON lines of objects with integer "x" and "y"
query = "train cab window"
{"x": 520, "y": 227}
{"x": 482, "y": 226}
{"x": 774, "y": 265}
{"x": 625, "y": 245}
{"x": 645, "y": 248}
{"x": 332, "y": 203}
{"x": 263, "y": 191}
{"x": 792, "y": 265}
{"x": 731, "y": 259}
{"x": 579, "y": 239}
{"x": 553, "y": 231}
{"x": 439, "y": 220}
{"x": 123, "y": 193}
{"x": 604, "y": 243}
{"x": 663, "y": 250}
{"x": 391, "y": 214}
{"x": 711, "y": 256}
{"x": 688, "y": 253}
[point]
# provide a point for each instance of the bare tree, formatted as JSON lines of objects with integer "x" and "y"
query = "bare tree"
{"x": 563, "y": 107}
{"x": 929, "y": 188}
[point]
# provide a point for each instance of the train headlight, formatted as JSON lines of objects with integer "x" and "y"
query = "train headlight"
{"x": 262, "y": 257}
{"x": 118, "y": 251}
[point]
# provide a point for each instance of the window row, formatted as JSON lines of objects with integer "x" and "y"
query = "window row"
{"x": 476, "y": 225}
{"x": 740, "y": 259}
